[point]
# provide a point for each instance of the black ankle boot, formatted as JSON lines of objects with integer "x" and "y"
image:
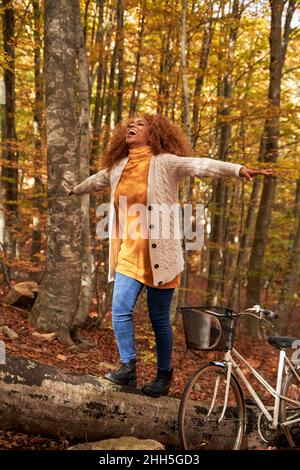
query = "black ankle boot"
{"x": 160, "y": 385}
{"x": 126, "y": 375}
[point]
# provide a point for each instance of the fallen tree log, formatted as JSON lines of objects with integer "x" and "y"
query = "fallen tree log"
{"x": 22, "y": 294}
{"x": 37, "y": 398}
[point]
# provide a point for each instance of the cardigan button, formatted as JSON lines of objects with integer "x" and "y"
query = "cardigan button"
{"x": 160, "y": 282}
{"x": 151, "y": 226}
{"x": 150, "y": 208}
{"x": 156, "y": 265}
{"x": 153, "y": 245}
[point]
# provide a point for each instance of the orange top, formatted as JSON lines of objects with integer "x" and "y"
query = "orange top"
{"x": 133, "y": 257}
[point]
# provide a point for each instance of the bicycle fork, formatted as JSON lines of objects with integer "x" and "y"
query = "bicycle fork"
{"x": 227, "y": 382}
{"x": 214, "y": 396}
{"x": 216, "y": 388}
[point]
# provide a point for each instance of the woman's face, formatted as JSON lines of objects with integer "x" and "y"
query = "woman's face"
{"x": 137, "y": 133}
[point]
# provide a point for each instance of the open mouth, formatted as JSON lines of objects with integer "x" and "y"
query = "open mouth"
{"x": 132, "y": 132}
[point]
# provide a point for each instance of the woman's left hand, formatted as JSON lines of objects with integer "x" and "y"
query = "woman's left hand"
{"x": 247, "y": 173}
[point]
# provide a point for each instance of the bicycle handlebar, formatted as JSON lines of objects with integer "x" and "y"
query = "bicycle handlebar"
{"x": 257, "y": 311}
{"x": 262, "y": 312}
{"x": 270, "y": 315}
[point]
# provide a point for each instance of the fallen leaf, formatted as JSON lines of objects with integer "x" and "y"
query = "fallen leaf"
{"x": 107, "y": 365}
{"x": 61, "y": 357}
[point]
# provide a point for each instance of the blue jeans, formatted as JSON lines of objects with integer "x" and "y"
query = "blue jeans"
{"x": 125, "y": 294}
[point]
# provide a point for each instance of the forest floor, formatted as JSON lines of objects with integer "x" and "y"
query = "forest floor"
{"x": 104, "y": 356}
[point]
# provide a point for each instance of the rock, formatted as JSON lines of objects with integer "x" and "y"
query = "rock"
{"x": 121, "y": 443}
{"x": 11, "y": 334}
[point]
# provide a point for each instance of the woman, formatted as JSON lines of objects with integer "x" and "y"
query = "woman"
{"x": 142, "y": 164}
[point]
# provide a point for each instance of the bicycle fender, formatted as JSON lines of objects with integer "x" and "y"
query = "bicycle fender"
{"x": 218, "y": 363}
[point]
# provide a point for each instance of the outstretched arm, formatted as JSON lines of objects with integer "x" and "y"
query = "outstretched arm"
{"x": 93, "y": 183}
{"x": 203, "y": 166}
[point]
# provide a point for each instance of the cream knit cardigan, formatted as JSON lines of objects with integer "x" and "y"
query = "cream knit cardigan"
{"x": 165, "y": 171}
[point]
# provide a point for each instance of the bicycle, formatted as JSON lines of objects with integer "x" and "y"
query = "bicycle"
{"x": 212, "y": 412}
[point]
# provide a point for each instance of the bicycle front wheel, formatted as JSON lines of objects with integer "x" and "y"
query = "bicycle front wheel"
{"x": 200, "y": 422}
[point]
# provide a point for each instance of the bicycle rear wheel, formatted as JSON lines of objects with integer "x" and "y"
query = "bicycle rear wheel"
{"x": 201, "y": 407}
{"x": 291, "y": 411}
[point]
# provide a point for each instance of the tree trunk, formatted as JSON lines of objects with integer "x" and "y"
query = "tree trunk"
{"x": 85, "y": 21}
{"x": 100, "y": 76}
{"x": 111, "y": 90}
{"x": 231, "y": 230}
{"x": 100, "y": 257}
{"x": 185, "y": 87}
{"x": 188, "y": 181}
{"x": 86, "y": 288}
{"x": 120, "y": 32}
{"x": 106, "y": 60}
{"x": 278, "y": 48}
{"x": 289, "y": 292}
{"x": 202, "y": 66}
{"x": 10, "y": 153}
{"x": 38, "y": 134}
{"x": 41, "y": 399}
{"x": 58, "y": 304}
{"x": 234, "y": 292}
{"x": 97, "y": 117}
{"x": 166, "y": 61}
{"x": 223, "y": 138}
{"x": 216, "y": 243}
{"x": 133, "y": 99}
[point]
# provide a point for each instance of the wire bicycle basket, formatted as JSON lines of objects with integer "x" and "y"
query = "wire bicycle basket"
{"x": 209, "y": 328}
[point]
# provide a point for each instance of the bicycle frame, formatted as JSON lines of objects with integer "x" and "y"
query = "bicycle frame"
{"x": 276, "y": 393}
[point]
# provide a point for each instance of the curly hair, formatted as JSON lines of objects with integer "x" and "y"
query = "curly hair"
{"x": 164, "y": 137}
